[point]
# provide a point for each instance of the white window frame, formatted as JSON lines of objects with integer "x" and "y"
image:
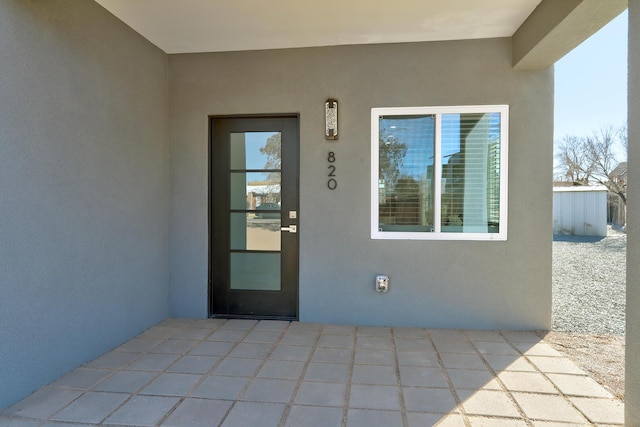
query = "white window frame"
{"x": 376, "y": 113}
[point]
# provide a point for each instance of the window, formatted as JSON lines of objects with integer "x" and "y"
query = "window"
{"x": 439, "y": 173}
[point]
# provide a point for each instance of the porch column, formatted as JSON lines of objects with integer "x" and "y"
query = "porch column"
{"x": 632, "y": 365}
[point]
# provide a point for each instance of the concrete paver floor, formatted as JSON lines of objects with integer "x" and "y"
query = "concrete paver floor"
{"x": 215, "y": 372}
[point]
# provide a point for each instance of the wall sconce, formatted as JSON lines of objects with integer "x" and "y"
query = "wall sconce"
{"x": 331, "y": 119}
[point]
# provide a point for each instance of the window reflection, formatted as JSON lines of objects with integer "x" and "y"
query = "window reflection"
{"x": 255, "y": 191}
{"x": 461, "y": 193}
{"x": 470, "y": 173}
{"x": 405, "y": 180}
{"x": 258, "y": 231}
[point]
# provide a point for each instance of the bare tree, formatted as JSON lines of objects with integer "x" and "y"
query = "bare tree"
{"x": 592, "y": 159}
{"x": 573, "y": 163}
{"x": 601, "y": 150}
{"x": 624, "y": 138}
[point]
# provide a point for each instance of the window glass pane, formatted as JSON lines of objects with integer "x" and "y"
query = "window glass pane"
{"x": 255, "y": 190}
{"x": 470, "y": 155}
{"x": 255, "y": 150}
{"x": 405, "y": 176}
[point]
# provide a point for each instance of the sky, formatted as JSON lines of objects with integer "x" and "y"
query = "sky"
{"x": 591, "y": 83}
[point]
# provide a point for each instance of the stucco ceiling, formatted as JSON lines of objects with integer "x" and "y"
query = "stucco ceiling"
{"x": 186, "y": 26}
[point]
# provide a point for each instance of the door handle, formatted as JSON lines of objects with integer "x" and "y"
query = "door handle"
{"x": 290, "y": 229}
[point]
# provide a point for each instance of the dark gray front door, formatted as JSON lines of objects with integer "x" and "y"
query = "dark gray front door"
{"x": 254, "y": 217}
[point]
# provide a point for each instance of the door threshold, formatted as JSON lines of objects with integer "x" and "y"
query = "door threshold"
{"x": 252, "y": 317}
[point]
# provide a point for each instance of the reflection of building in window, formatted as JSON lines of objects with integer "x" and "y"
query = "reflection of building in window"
{"x": 493, "y": 184}
{"x": 471, "y": 176}
{"x": 259, "y": 193}
{"x": 452, "y": 195}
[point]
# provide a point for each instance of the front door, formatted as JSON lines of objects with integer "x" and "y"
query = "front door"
{"x": 254, "y": 217}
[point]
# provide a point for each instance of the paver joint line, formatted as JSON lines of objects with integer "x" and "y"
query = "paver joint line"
{"x": 288, "y": 372}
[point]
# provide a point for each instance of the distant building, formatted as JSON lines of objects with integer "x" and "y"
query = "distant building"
{"x": 580, "y": 210}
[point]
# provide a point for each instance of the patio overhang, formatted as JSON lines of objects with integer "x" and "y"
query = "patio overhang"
{"x": 557, "y": 27}
{"x": 542, "y": 31}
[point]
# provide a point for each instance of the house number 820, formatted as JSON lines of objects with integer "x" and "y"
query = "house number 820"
{"x": 332, "y": 183}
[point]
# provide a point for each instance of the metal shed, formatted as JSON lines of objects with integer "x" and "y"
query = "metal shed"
{"x": 580, "y": 211}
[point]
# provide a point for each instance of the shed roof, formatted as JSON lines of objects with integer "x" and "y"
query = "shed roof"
{"x": 580, "y": 189}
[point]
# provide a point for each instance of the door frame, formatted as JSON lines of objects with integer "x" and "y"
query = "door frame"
{"x": 210, "y": 202}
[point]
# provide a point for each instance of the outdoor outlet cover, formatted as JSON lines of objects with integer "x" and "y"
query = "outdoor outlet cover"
{"x": 382, "y": 283}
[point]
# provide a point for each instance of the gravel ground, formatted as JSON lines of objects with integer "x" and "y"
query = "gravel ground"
{"x": 600, "y": 356}
{"x": 589, "y": 284}
{"x": 589, "y": 305}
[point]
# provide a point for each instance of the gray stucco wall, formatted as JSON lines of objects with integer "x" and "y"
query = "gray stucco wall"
{"x": 84, "y": 191}
{"x": 632, "y": 369}
{"x": 433, "y": 284}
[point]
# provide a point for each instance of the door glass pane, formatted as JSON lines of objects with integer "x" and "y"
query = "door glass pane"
{"x": 255, "y": 190}
{"x": 259, "y": 231}
{"x": 255, "y": 150}
{"x": 255, "y": 271}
